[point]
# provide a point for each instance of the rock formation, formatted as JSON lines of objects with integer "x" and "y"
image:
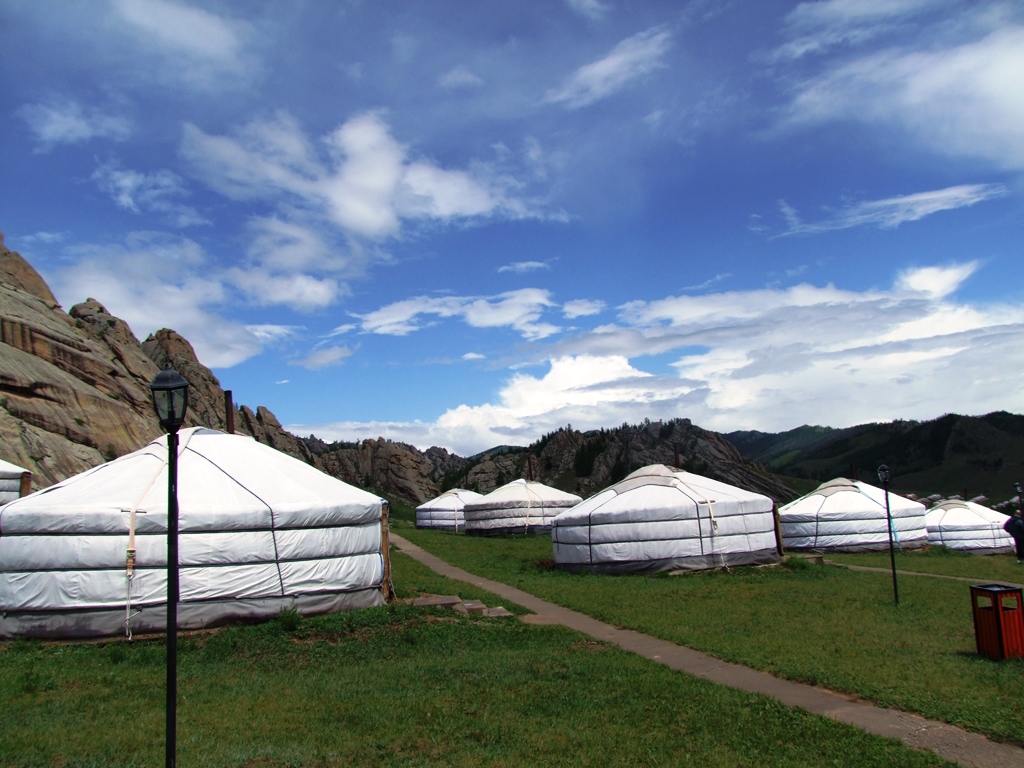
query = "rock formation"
{"x": 74, "y": 388}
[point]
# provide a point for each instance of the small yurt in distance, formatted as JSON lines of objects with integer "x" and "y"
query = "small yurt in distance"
{"x": 258, "y": 531}
{"x": 662, "y": 519}
{"x": 522, "y": 506}
{"x": 967, "y": 526}
{"x": 14, "y": 481}
{"x": 445, "y": 512}
{"x": 849, "y": 516}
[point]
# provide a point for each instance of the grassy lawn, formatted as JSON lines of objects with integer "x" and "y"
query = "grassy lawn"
{"x": 400, "y": 686}
{"x": 948, "y": 562}
{"x": 816, "y": 624}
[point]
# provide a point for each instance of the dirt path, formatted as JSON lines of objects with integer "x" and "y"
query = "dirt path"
{"x": 947, "y": 741}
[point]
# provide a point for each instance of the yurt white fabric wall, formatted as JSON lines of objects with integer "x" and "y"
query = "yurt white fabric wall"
{"x": 446, "y": 511}
{"x": 10, "y": 481}
{"x": 259, "y": 531}
{"x": 522, "y": 506}
{"x": 661, "y": 519}
{"x": 968, "y": 526}
{"x": 849, "y": 516}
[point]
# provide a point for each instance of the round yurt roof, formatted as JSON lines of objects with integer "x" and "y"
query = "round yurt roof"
{"x": 654, "y": 488}
{"x": 455, "y": 499}
{"x": 962, "y": 514}
{"x": 524, "y": 493}
{"x": 224, "y": 482}
{"x": 843, "y": 496}
{"x": 10, "y": 471}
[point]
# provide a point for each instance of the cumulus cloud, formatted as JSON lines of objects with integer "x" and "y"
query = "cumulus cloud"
{"x": 768, "y": 359}
{"x": 324, "y": 357}
{"x": 582, "y": 308}
{"x": 67, "y": 122}
{"x": 520, "y": 310}
{"x": 365, "y": 186}
{"x": 956, "y": 98}
{"x": 632, "y": 58}
{"x": 155, "y": 281}
{"x": 159, "y": 192}
{"x": 891, "y": 212}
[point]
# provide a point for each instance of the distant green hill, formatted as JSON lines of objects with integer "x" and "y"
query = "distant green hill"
{"x": 954, "y": 454}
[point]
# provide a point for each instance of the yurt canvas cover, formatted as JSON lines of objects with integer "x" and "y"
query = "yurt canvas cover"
{"x": 849, "y": 516}
{"x": 446, "y": 511}
{"x": 258, "y": 531}
{"x": 968, "y": 526}
{"x": 658, "y": 519}
{"x": 522, "y": 506}
{"x": 10, "y": 481}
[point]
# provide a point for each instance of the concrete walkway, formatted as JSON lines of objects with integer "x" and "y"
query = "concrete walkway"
{"x": 950, "y": 742}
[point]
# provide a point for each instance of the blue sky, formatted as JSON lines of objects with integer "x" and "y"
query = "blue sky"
{"x": 470, "y": 223}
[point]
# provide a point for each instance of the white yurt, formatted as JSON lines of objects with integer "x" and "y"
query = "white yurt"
{"x": 14, "y": 481}
{"x": 522, "y": 506}
{"x": 445, "y": 512}
{"x": 849, "y": 516}
{"x": 258, "y": 531}
{"x": 968, "y": 526}
{"x": 661, "y": 519}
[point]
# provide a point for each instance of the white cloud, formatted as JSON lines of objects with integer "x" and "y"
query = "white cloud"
{"x": 154, "y": 281}
{"x": 522, "y": 267}
{"x": 324, "y": 357}
{"x": 265, "y": 288}
{"x": 473, "y": 356}
{"x": 47, "y": 238}
{"x": 582, "y": 308}
{"x": 520, "y": 310}
{"x": 594, "y": 10}
{"x": 632, "y": 58}
{"x": 193, "y": 46}
{"x": 366, "y": 187}
{"x": 891, "y": 212}
{"x": 936, "y": 282}
{"x": 460, "y": 77}
{"x": 66, "y": 122}
{"x": 270, "y": 333}
{"x": 820, "y": 26}
{"x": 768, "y": 359}
{"x": 157, "y": 192}
{"x": 961, "y": 100}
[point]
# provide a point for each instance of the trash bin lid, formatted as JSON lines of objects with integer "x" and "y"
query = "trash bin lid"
{"x": 995, "y": 587}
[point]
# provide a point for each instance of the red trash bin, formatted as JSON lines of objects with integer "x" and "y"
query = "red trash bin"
{"x": 998, "y": 621}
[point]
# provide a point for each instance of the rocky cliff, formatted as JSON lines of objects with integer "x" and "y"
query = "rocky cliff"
{"x": 74, "y": 392}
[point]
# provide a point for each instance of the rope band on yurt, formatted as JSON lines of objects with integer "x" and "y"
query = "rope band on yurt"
{"x": 130, "y": 555}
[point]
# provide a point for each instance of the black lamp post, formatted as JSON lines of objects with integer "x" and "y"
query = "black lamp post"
{"x": 1020, "y": 497}
{"x": 884, "y": 474}
{"x": 170, "y": 399}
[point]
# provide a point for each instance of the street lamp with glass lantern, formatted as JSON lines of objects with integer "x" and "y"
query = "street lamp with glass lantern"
{"x": 883, "y": 475}
{"x": 170, "y": 400}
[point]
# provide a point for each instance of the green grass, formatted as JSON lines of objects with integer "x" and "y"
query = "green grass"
{"x": 948, "y": 562}
{"x": 400, "y": 686}
{"x": 816, "y": 624}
